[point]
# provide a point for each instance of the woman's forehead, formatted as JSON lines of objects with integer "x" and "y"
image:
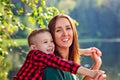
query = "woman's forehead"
{"x": 62, "y": 21}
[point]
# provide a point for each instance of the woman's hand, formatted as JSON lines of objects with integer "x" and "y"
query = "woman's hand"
{"x": 95, "y": 54}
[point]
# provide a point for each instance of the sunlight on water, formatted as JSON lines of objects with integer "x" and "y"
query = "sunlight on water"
{"x": 118, "y": 74}
{"x": 100, "y": 40}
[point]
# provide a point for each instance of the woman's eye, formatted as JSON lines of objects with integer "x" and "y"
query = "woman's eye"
{"x": 68, "y": 28}
{"x": 58, "y": 30}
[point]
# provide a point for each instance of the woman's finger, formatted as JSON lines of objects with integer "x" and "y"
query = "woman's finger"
{"x": 97, "y": 51}
{"x": 100, "y": 76}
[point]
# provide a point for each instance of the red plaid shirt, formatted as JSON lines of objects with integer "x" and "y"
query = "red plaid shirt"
{"x": 37, "y": 61}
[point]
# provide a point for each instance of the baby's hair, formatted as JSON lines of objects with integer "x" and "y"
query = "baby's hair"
{"x": 31, "y": 36}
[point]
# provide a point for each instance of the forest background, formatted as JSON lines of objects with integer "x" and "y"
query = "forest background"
{"x": 97, "y": 21}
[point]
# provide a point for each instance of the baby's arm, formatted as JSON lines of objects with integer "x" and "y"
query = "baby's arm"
{"x": 41, "y": 58}
{"x": 87, "y": 72}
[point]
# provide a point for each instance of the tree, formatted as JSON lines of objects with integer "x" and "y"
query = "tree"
{"x": 37, "y": 13}
{"x": 8, "y": 25}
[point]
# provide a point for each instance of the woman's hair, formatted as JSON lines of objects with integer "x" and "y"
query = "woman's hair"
{"x": 31, "y": 37}
{"x": 74, "y": 48}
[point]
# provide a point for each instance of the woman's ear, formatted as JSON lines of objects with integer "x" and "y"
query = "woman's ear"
{"x": 33, "y": 47}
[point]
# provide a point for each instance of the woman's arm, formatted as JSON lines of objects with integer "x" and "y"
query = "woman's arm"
{"x": 99, "y": 76}
{"x": 97, "y": 62}
{"x": 90, "y": 51}
{"x": 96, "y": 66}
{"x": 95, "y": 54}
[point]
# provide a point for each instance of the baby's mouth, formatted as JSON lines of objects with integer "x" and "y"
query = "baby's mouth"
{"x": 50, "y": 50}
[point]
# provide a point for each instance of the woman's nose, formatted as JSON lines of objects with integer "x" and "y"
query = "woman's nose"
{"x": 65, "y": 32}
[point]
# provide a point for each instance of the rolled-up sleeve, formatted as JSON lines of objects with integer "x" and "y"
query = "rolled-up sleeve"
{"x": 42, "y": 59}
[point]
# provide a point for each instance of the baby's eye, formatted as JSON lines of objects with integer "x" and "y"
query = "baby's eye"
{"x": 52, "y": 41}
{"x": 45, "y": 42}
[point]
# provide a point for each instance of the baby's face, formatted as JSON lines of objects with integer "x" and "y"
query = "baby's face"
{"x": 44, "y": 42}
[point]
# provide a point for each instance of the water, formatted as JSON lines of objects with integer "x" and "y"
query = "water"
{"x": 110, "y": 55}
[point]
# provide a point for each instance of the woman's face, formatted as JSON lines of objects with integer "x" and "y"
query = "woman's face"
{"x": 63, "y": 33}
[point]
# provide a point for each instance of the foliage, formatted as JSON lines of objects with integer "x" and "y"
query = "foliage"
{"x": 8, "y": 25}
{"x": 37, "y": 14}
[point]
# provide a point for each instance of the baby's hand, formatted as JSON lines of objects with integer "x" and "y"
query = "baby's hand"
{"x": 90, "y": 51}
{"x": 94, "y": 73}
{"x": 99, "y": 75}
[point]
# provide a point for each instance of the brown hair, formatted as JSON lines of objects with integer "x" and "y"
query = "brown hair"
{"x": 31, "y": 36}
{"x": 74, "y": 48}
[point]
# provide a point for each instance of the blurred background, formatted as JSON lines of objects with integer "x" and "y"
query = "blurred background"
{"x": 97, "y": 23}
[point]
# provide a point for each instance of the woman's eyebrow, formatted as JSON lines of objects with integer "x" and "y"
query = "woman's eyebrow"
{"x": 58, "y": 27}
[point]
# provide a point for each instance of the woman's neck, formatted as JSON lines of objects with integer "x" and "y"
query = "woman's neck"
{"x": 64, "y": 53}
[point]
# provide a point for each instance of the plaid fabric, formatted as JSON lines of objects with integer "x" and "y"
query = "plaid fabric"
{"x": 37, "y": 61}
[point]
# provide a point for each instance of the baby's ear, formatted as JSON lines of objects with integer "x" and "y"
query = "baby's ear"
{"x": 33, "y": 47}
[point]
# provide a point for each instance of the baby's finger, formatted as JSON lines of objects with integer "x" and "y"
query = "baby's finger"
{"x": 102, "y": 77}
{"x": 99, "y": 76}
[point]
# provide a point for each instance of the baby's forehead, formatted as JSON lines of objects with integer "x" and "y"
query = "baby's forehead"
{"x": 43, "y": 34}
{"x": 46, "y": 36}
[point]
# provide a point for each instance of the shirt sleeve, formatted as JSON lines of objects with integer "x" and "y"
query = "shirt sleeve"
{"x": 41, "y": 58}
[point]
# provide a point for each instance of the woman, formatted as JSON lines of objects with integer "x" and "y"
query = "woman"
{"x": 65, "y": 37}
